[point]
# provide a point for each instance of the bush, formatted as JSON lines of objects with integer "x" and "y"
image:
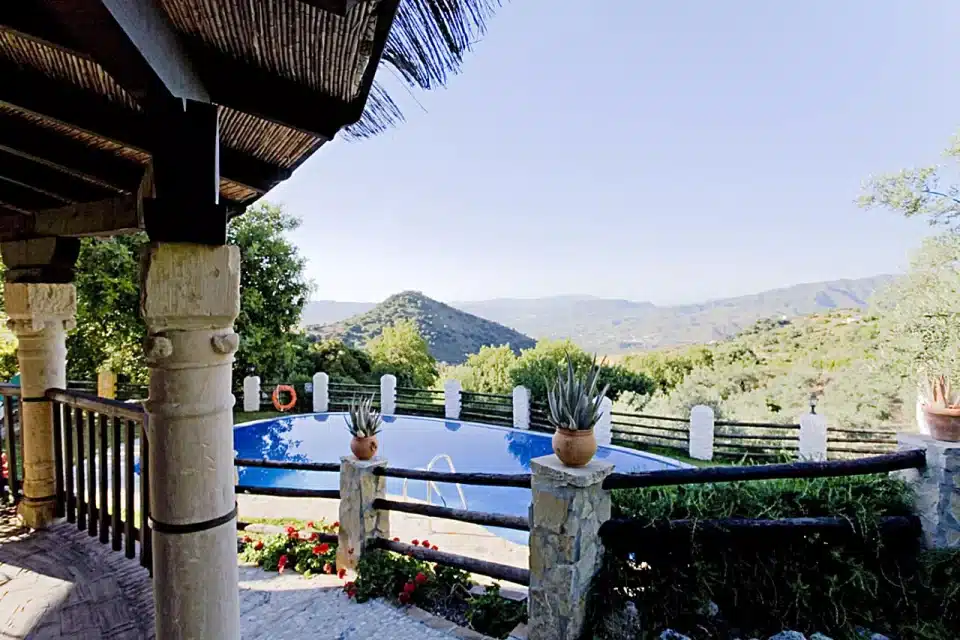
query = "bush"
{"x": 291, "y": 550}
{"x": 764, "y": 583}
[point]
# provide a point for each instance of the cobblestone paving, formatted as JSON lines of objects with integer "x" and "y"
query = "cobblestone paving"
{"x": 60, "y": 583}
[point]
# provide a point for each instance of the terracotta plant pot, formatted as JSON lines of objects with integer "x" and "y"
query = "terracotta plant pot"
{"x": 364, "y": 448}
{"x": 574, "y": 448}
{"x": 944, "y": 422}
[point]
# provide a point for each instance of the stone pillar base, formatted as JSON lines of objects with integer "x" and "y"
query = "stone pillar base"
{"x": 37, "y": 514}
{"x": 569, "y": 505}
{"x": 937, "y": 489}
{"x": 359, "y": 521}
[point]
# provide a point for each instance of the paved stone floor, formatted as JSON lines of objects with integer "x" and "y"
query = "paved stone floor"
{"x": 60, "y": 583}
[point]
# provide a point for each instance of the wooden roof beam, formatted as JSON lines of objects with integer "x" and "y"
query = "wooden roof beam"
{"x": 112, "y": 216}
{"x": 26, "y": 197}
{"x": 79, "y": 109}
{"x": 49, "y": 180}
{"x": 135, "y": 43}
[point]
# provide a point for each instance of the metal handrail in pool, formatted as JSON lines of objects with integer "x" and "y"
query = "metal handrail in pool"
{"x": 432, "y": 484}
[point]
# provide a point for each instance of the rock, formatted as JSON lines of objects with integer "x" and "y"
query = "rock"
{"x": 670, "y": 634}
{"x": 788, "y": 635}
{"x": 820, "y": 636}
{"x": 710, "y": 610}
{"x": 866, "y": 634}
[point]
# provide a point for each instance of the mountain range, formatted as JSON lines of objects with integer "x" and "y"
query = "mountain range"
{"x": 602, "y": 325}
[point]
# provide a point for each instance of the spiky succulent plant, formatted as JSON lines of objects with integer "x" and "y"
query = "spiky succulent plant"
{"x": 364, "y": 421}
{"x": 575, "y": 400}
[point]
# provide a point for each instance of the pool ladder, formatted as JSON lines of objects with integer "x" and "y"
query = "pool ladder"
{"x": 432, "y": 486}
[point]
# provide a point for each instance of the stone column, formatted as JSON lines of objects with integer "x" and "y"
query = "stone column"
{"x": 359, "y": 521}
{"x": 813, "y": 437}
{"x": 388, "y": 394}
{"x": 40, "y": 315}
{"x": 321, "y": 392}
{"x": 190, "y": 296}
{"x": 451, "y": 399}
{"x": 521, "y": 408}
{"x": 569, "y": 505}
{"x": 701, "y": 432}
{"x": 251, "y": 394}
{"x": 936, "y": 489}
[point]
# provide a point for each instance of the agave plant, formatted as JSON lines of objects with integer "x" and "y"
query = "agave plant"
{"x": 574, "y": 400}
{"x": 940, "y": 394}
{"x": 364, "y": 421}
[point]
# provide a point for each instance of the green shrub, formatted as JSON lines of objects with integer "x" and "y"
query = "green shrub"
{"x": 765, "y": 582}
{"x": 495, "y": 615}
{"x": 291, "y": 550}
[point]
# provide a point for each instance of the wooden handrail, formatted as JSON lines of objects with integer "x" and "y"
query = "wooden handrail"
{"x": 473, "y": 565}
{"x": 474, "y": 517}
{"x": 104, "y": 406}
{"x": 481, "y": 479}
{"x": 7, "y": 389}
{"x": 287, "y": 465}
{"x": 913, "y": 459}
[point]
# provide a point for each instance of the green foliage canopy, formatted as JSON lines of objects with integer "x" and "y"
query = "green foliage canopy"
{"x": 342, "y": 362}
{"x": 401, "y": 350}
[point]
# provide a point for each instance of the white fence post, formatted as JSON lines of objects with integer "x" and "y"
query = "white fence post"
{"x": 604, "y": 429}
{"x": 251, "y": 394}
{"x": 521, "y": 408}
{"x": 321, "y": 392}
{"x": 388, "y": 394}
{"x": 813, "y": 437}
{"x": 451, "y": 399}
{"x": 701, "y": 432}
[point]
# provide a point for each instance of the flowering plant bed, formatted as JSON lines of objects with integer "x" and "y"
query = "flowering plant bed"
{"x": 299, "y": 549}
{"x": 443, "y": 591}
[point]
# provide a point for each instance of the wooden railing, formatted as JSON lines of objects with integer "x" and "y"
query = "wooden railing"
{"x": 95, "y": 449}
{"x": 420, "y": 402}
{"x": 489, "y": 408}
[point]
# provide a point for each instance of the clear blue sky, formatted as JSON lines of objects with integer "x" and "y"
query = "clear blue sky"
{"x": 663, "y": 151}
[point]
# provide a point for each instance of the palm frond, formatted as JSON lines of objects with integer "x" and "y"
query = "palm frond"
{"x": 426, "y": 45}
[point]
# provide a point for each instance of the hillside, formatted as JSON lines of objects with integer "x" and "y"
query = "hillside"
{"x": 618, "y": 326}
{"x": 452, "y": 334}
{"x": 768, "y": 371}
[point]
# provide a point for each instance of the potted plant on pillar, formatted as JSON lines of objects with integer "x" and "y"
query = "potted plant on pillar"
{"x": 364, "y": 425}
{"x": 575, "y": 408}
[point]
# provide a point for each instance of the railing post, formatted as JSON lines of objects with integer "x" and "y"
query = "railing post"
{"x": 935, "y": 489}
{"x": 701, "y": 433}
{"x": 251, "y": 394}
{"x": 604, "y": 428}
{"x": 321, "y": 392}
{"x": 521, "y": 408}
{"x": 388, "y": 394}
{"x": 451, "y": 399}
{"x": 360, "y": 523}
{"x": 106, "y": 384}
{"x": 813, "y": 437}
{"x": 569, "y": 505}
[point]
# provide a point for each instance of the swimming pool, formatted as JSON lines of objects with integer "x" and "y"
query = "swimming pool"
{"x": 412, "y": 442}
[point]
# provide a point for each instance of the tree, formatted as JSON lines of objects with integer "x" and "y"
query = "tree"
{"x": 537, "y": 368}
{"x": 402, "y": 351}
{"x": 918, "y": 192}
{"x": 489, "y": 370}
{"x": 273, "y": 291}
{"x": 342, "y": 362}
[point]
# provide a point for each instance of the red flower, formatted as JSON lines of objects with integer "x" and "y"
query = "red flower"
{"x": 420, "y": 578}
{"x": 404, "y": 598}
{"x": 314, "y": 536}
{"x": 435, "y": 548}
{"x": 324, "y": 547}
{"x": 259, "y": 545}
{"x": 415, "y": 542}
{"x": 396, "y": 539}
{"x": 281, "y": 563}
{"x": 247, "y": 539}
{"x": 336, "y": 524}
{"x": 349, "y": 585}
{"x": 341, "y": 573}
{"x": 426, "y": 543}
{"x": 310, "y": 525}
{"x": 317, "y": 550}
{"x": 409, "y": 587}
{"x": 291, "y": 530}
{"x": 328, "y": 568}
{"x": 352, "y": 594}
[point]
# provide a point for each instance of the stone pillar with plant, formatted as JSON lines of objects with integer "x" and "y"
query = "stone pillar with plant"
{"x": 575, "y": 406}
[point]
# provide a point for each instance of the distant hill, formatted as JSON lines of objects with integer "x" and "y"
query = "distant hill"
{"x": 451, "y": 333}
{"x": 616, "y": 326}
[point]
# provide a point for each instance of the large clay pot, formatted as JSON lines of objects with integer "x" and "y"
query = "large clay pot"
{"x": 944, "y": 422}
{"x": 364, "y": 448}
{"x": 574, "y": 448}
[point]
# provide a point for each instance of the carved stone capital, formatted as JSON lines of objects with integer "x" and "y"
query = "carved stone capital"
{"x": 33, "y": 307}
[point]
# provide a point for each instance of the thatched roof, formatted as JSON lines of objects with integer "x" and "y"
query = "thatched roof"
{"x": 77, "y": 87}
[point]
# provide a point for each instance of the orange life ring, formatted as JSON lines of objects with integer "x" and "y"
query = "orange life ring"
{"x": 276, "y": 397}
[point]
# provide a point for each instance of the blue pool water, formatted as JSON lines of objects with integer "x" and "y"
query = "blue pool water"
{"x": 411, "y": 443}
